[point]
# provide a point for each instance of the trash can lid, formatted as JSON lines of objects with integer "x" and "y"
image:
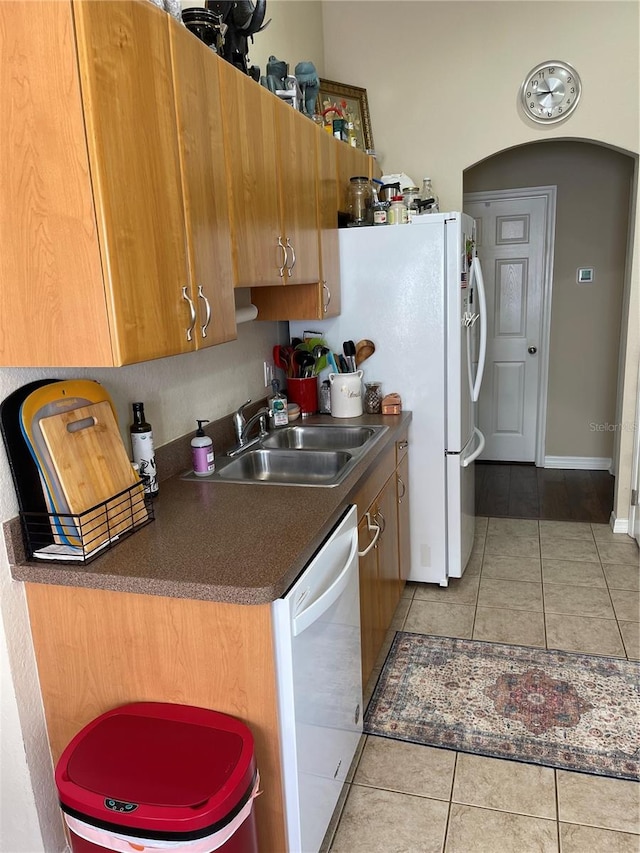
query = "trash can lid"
{"x": 157, "y": 766}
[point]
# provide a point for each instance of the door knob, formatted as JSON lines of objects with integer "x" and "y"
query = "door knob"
{"x": 532, "y": 350}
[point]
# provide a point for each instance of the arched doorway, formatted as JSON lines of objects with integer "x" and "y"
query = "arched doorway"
{"x": 594, "y": 190}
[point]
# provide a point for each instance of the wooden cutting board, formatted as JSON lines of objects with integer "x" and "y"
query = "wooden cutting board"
{"x": 91, "y": 464}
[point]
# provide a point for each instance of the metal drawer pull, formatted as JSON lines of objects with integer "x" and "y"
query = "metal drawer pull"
{"x": 284, "y": 258}
{"x": 372, "y": 544}
{"x": 325, "y": 289}
{"x": 404, "y": 489}
{"x": 192, "y": 311}
{"x": 293, "y": 262}
{"x": 402, "y": 445}
{"x": 207, "y": 306}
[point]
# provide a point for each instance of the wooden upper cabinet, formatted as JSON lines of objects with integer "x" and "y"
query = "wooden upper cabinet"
{"x": 198, "y": 111}
{"x": 327, "y": 158}
{"x": 296, "y": 147}
{"x": 125, "y": 71}
{"x": 321, "y": 298}
{"x": 100, "y": 250}
{"x": 48, "y": 236}
{"x": 251, "y": 155}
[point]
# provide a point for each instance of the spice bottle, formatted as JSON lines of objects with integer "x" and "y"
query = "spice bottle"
{"x": 143, "y": 450}
{"x": 397, "y": 214}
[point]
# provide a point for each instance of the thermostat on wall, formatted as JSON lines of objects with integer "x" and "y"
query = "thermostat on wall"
{"x": 585, "y": 275}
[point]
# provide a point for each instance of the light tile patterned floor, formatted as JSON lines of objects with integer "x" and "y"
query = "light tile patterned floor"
{"x": 559, "y": 585}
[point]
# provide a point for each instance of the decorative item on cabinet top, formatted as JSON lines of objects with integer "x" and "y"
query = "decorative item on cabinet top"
{"x": 226, "y": 27}
{"x": 340, "y": 101}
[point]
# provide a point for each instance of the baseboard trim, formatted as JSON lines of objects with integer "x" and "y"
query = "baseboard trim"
{"x": 579, "y": 463}
{"x": 619, "y": 525}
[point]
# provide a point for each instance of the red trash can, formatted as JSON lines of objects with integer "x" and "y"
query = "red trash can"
{"x": 179, "y": 777}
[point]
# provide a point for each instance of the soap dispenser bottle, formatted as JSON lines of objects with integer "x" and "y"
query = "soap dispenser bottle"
{"x": 202, "y": 454}
{"x": 278, "y": 411}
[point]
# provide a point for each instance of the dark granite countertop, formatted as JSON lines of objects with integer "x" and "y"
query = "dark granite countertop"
{"x": 215, "y": 541}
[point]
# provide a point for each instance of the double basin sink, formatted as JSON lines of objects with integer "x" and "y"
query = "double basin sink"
{"x": 313, "y": 455}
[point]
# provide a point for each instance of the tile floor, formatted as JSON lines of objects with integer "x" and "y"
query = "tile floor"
{"x": 562, "y": 585}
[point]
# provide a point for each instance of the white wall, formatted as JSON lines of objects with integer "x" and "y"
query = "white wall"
{"x": 448, "y": 98}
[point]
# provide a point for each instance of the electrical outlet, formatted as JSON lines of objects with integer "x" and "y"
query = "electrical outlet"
{"x": 269, "y": 373}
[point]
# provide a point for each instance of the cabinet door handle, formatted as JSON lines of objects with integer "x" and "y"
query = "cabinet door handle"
{"x": 374, "y": 541}
{"x": 207, "y": 308}
{"x": 325, "y": 289}
{"x": 293, "y": 261}
{"x": 404, "y": 489}
{"x": 402, "y": 445}
{"x": 192, "y": 312}
{"x": 285, "y": 257}
{"x": 381, "y": 521}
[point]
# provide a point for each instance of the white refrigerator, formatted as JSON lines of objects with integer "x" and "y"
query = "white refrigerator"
{"x": 416, "y": 292}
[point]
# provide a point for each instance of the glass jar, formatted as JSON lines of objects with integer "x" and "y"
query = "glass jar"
{"x": 428, "y": 194}
{"x": 372, "y": 398}
{"x": 410, "y": 196}
{"x": 360, "y": 200}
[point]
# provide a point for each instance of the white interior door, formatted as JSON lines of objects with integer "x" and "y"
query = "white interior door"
{"x": 512, "y": 246}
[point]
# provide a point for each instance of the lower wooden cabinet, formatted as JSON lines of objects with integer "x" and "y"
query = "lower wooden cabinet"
{"x": 96, "y": 649}
{"x": 383, "y": 543}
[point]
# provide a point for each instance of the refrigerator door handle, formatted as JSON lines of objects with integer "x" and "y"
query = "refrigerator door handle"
{"x": 476, "y": 270}
{"x": 469, "y": 459}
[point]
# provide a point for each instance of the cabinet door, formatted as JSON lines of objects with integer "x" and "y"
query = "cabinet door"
{"x": 199, "y": 116}
{"x": 252, "y": 177}
{"x": 49, "y": 248}
{"x": 371, "y": 630}
{"x": 388, "y": 567}
{"x": 404, "y": 536}
{"x": 296, "y": 138}
{"x": 327, "y": 155}
{"x": 125, "y": 69}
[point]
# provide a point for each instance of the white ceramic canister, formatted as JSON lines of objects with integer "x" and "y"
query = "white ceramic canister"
{"x": 346, "y": 394}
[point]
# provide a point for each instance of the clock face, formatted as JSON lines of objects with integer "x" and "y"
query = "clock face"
{"x": 550, "y": 92}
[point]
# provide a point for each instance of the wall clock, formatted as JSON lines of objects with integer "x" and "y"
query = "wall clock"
{"x": 550, "y": 92}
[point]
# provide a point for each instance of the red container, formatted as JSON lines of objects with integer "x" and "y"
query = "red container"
{"x": 152, "y": 771}
{"x": 304, "y": 392}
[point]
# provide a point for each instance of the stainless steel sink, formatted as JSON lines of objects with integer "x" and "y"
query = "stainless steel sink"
{"x": 311, "y": 468}
{"x": 314, "y": 437}
{"x": 304, "y": 455}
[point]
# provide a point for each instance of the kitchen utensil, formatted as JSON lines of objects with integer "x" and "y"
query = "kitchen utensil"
{"x": 346, "y": 394}
{"x": 364, "y": 349}
{"x": 92, "y": 466}
{"x": 44, "y": 402}
{"x": 349, "y": 350}
{"x": 333, "y": 364}
{"x": 388, "y": 191}
{"x": 23, "y": 467}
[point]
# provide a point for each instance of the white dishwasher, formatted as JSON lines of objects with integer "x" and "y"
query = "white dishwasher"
{"x": 317, "y": 642}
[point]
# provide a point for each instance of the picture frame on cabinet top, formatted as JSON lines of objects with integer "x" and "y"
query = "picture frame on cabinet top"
{"x": 352, "y": 104}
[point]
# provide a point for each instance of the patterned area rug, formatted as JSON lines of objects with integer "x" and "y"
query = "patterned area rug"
{"x": 570, "y": 711}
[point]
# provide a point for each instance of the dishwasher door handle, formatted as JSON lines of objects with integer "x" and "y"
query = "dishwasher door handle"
{"x": 315, "y": 610}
